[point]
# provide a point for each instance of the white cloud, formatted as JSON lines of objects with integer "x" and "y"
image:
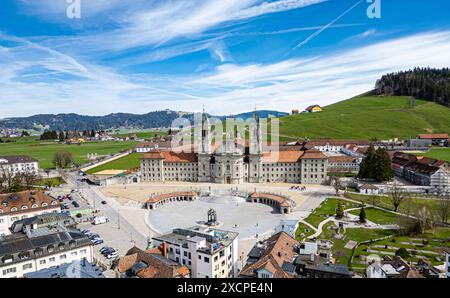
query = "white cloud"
{"x": 35, "y": 79}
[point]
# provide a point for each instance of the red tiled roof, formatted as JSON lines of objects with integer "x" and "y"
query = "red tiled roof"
{"x": 313, "y": 154}
{"x": 434, "y": 136}
{"x": 280, "y": 249}
{"x": 170, "y": 156}
{"x": 26, "y": 198}
{"x": 157, "y": 266}
{"x": 160, "y": 197}
{"x": 341, "y": 159}
{"x": 284, "y": 202}
{"x": 282, "y": 156}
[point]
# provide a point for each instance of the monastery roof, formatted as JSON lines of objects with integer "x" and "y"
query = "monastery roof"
{"x": 282, "y": 156}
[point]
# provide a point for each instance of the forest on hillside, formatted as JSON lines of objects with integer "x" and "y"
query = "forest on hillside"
{"x": 423, "y": 83}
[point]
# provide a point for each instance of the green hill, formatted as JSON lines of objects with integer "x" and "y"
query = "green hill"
{"x": 369, "y": 117}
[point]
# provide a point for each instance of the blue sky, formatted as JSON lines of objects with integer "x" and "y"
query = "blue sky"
{"x": 229, "y": 55}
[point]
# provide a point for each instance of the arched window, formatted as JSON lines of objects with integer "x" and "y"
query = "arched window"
{"x": 44, "y": 204}
{"x": 24, "y": 207}
{"x": 34, "y": 206}
{"x": 53, "y": 203}
{"x": 13, "y": 209}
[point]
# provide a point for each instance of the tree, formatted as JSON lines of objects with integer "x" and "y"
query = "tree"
{"x": 402, "y": 253}
{"x": 92, "y": 133}
{"x": 62, "y": 159}
{"x": 444, "y": 208}
{"x": 383, "y": 170}
{"x": 28, "y": 179}
{"x": 339, "y": 211}
{"x": 61, "y": 136}
{"x": 397, "y": 196}
{"x": 367, "y": 164}
{"x": 376, "y": 165}
{"x": 362, "y": 215}
{"x": 336, "y": 184}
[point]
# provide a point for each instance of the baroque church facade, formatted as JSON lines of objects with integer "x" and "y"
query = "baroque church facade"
{"x": 236, "y": 162}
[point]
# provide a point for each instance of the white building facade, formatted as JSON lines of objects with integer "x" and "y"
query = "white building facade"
{"x": 13, "y": 165}
{"x": 207, "y": 252}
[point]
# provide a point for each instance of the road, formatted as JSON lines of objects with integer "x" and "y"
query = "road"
{"x": 118, "y": 233}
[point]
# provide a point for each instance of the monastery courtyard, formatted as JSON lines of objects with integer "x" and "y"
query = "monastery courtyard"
{"x": 233, "y": 213}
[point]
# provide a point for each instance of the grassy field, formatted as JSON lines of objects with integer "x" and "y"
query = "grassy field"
{"x": 407, "y": 206}
{"x": 43, "y": 151}
{"x": 327, "y": 209}
{"x": 369, "y": 117}
{"x": 438, "y": 153}
{"x": 128, "y": 162}
{"x": 378, "y": 216}
{"x": 428, "y": 246}
{"x": 343, "y": 254}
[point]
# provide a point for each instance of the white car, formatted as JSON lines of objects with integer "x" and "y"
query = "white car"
{"x": 112, "y": 255}
{"x": 100, "y": 220}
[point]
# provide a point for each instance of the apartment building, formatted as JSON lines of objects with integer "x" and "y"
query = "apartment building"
{"x": 207, "y": 252}
{"x": 25, "y": 204}
{"x": 18, "y": 164}
{"x": 33, "y": 247}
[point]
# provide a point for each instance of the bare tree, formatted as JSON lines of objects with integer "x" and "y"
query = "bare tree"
{"x": 29, "y": 178}
{"x": 397, "y": 196}
{"x": 425, "y": 218}
{"x": 443, "y": 209}
{"x": 336, "y": 184}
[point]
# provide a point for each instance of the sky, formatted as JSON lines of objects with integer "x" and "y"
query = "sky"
{"x": 228, "y": 56}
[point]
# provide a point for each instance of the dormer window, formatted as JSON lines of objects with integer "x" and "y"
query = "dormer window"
{"x": 44, "y": 204}
{"x": 53, "y": 203}
{"x": 13, "y": 209}
{"x": 34, "y": 206}
{"x": 24, "y": 207}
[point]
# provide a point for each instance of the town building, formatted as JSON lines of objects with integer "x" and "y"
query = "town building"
{"x": 25, "y": 204}
{"x": 430, "y": 173}
{"x": 343, "y": 164}
{"x": 272, "y": 258}
{"x": 439, "y": 139}
{"x": 288, "y": 226}
{"x": 207, "y": 252}
{"x": 18, "y": 164}
{"x": 331, "y": 145}
{"x": 313, "y": 109}
{"x": 368, "y": 189}
{"x": 33, "y": 247}
{"x": 235, "y": 162}
{"x": 152, "y": 263}
{"x": 75, "y": 269}
{"x": 394, "y": 267}
{"x": 316, "y": 266}
{"x": 149, "y": 146}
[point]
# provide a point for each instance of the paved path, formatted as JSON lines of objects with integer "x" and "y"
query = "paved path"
{"x": 104, "y": 161}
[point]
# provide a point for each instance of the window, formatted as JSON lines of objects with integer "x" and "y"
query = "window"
{"x": 9, "y": 270}
{"x": 206, "y": 260}
{"x": 51, "y": 260}
{"x": 62, "y": 257}
{"x": 27, "y": 266}
{"x": 83, "y": 251}
{"x": 42, "y": 262}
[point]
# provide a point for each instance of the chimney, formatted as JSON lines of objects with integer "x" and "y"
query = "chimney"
{"x": 164, "y": 248}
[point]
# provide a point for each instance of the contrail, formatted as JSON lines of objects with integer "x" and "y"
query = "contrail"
{"x": 315, "y": 34}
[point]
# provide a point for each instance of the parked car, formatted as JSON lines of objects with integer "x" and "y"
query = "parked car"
{"x": 106, "y": 249}
{"x": 112, "y": 255}
{"x": 87, "y": 232}
{"x": 97, "y": 241}
{"x": 75, "y": 203}
{"x": 104, "y": 202}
